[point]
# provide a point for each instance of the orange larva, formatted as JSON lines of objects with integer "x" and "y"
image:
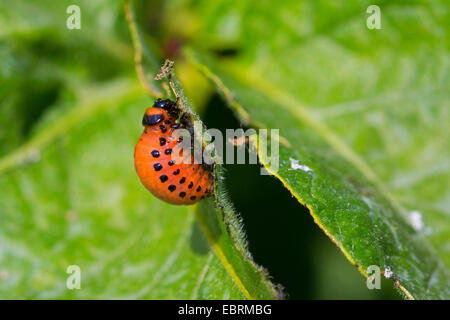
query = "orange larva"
{"x": 176, "y": 183}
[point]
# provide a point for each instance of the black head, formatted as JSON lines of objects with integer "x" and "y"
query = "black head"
{"x": 170, "y": 106}
{"x": 165, "y": 104}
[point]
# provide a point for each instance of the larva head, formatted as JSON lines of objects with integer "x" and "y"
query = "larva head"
{"x": 166, "y": 104}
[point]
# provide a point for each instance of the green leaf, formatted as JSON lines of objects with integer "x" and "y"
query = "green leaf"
{"x": 367, "y": 129}
{"x": 46, "y": 64}
{"x": 365, "y": 110}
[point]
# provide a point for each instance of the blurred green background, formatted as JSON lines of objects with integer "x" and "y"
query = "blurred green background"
{"x": 75, "y": 197}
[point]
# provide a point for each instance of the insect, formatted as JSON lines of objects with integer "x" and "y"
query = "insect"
{"x": 176, "y": 183}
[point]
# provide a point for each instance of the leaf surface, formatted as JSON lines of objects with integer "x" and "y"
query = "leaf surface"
{"x": 361, "y": 134}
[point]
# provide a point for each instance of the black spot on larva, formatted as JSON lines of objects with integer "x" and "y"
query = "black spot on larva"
{"x": 157, "y": 166}
{"x": 182, "y": 194}
{"x": 176, "y": 172}
{"x": 180, "y": 139}
{"x": 206, "y": 191}
{"x": 155, "y": 153}
{"x": 190, "y": 185}
{"x": 163, "y": 178}
{"x": 171, "y": 163}
{"x": 162, "y": 141}
{"x": 168, "y": 151}
{"x": 167, "y": 122}
{"x": 202, "y": 197}
{"x": 183, "y": 180}
{"x": 171, "y": 188}
{"x": 193, "y": 197}
{"x": 163, "y": 128}
{"x": 152, "y": 119}
{"x": 199, "y": 188}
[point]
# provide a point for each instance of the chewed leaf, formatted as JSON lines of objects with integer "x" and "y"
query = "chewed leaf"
{"x": 224, "y": 231}
{"x": 341, "y": 191}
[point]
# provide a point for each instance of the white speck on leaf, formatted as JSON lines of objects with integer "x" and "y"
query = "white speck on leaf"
{"x": 388, "y": 274}
{"x": 295, "y": 165}
{"x": 415, "y": 218}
